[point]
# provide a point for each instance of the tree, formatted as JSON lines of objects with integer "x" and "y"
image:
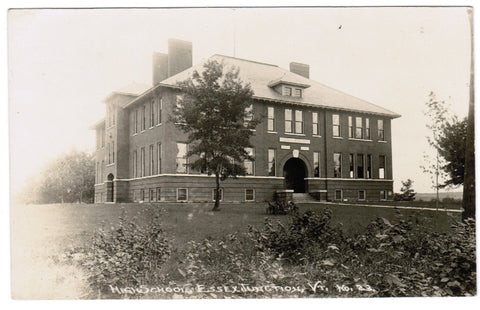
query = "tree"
{"x": 468, "y": 202}
{"x": 449, "y": 140}
{"x": 68, "y": 178}
{"x": 407, "y": 193}
{"x": 215, "y": 111}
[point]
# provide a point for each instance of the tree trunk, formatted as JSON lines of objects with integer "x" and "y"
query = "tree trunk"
{"x": 469, "y": 176}
{"x": 216, "y": 207}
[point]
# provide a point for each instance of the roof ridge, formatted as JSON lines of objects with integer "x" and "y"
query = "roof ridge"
{"x": 247, "y": 60}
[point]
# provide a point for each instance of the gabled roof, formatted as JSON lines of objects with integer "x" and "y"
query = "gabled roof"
{"x": 133, "y": 89}
{"x": 262, "y": 77}
{"x": 98, "y": 124}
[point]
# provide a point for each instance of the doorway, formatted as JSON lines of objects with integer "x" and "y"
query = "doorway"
{"x": 294, "y": 172}
{"x": 110, "y": 188}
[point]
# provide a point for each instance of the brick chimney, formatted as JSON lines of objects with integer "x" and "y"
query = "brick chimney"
{"x": 300, "y": 69}
{"x": 179, "y": 56}
{"x": 159, "y": 67}
{"x": 178, "y": 59}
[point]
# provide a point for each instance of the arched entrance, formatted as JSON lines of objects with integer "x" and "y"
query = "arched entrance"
{"x": 295, "y": 172}
{"x": 110, "y": 188}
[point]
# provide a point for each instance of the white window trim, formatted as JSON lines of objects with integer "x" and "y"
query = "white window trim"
{"x": 150, "y": 196}
{"x": 385, "y": 196}
{"x": 273, "y": 119}
{"x": 253, "y": 194}
{"x": 180, "y": 188}
{"x": 364, "y": 195}
{"x": 341, "y": 195}
{"x": 221, "y": 194}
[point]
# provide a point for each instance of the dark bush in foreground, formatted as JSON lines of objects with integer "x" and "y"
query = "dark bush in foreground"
{"x": 407, "y": 258}
{"x": 281, "y": 207}
{"x": 128, "y": 255}
{"x": 308, "y": 255}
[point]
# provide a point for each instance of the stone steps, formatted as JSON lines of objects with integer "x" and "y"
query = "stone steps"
{"x": 302, "y": 197}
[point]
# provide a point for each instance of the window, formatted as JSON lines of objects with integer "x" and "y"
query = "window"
{"x": 136, "y": 117}
{"x": 248, "y": 117}
{"x": 109, "y": 155}
{"x": 316, "y": 164}
{"x": 144, "y": 117}
{"x": 97, "y": 172}
{"x": 368, "y": 164}
{"x": 113, "y": 152}
{"x": 152, "y": 194}
{"x": 358, "y": 128}
{"x": 214, "y": 192}
{"x": 152, "y": 159}
{"x": 248, "y": 164}
{"x": 350, "y": 127}
{"x": 381, "y": 132}
{"x": 142, "y": 195}
{"x": 159, "y": 193}
{"x": 338, "y": 194}
{"x": 134, "y": 164}
{"x": 288, "y": 121}
{"x": 102, "y": 137}
{"x": 337, "y": 168}
{"x": 159, "y": 158}
{"x": 181, "y": 159}
{"x": 249, "y": 194}
{"x": 361, "y": 195}
{"x": 381, "y": 166}
{"x": 101, "y": 171}
{"x": 297, "y": 92}
{"x": 271, "y": 119}
{"x": 159, "y": 104}
{"x": 336, "y": 125}
{"x": 182, "y": 194}
{"x": 383, "y": 195}
{"x": 315, "y": 128}
{"x": 367, "y": 128}
{"x": 298, "y": 121}
{"x": 351, "y": 166}
{"x": 287, "y": 91}
{"x": 271, "y": 162}
{"x": 152, "y": 113}
{"x": 142, "y": 162}
{"x": 360, "y": 166}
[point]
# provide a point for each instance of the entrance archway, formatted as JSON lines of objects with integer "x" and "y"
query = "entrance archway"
{"x": 110, "y": 188}
{"x": 294, "y": 172}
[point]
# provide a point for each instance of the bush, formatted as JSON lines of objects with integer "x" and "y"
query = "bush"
{"x": 406, "y": 258}
{"x": 281, "y": 207}
{"x": 128, "y": 255}
{"x": 295, "y": 242}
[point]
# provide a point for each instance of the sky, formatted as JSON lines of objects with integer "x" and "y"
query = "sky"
{"x": 63, "y": 63}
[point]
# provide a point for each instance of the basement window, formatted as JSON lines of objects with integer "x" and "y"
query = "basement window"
{"x": 182, "y": 194}
{"x": 338, "y": 194}
{"x": 249, "y": 194}
{"x": 361, "y": 195}
{"x": 214, "y": 196}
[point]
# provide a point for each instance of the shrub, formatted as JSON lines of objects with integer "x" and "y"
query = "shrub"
{"x": 306, "y": 232}
{"x": 281, "y": 207}
{"x": 127, "y": 255}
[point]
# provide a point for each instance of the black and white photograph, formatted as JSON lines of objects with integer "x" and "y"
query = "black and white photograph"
{"x": 241, "y": 152}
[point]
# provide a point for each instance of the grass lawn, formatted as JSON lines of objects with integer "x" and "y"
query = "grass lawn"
{"x": 40, "y": 233}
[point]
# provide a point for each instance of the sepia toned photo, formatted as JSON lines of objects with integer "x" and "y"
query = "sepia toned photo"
{"x": 240, "y": 153}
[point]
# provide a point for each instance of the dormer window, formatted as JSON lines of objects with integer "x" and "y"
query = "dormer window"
{"x": 287, "y": 91}
{"x": 289, "y": 86}
{"x": 297, "y": 92}
{"x": 292, "y": 91}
